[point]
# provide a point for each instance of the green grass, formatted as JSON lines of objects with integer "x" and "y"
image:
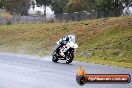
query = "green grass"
{"x": 105, "y": 62}
{"x": 104, "y": 41}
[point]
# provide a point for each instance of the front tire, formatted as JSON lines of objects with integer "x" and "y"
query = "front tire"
{"x": 69, "y": 58}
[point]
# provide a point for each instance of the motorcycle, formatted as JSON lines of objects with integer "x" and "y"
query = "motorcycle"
{"x": 68, "y": 52}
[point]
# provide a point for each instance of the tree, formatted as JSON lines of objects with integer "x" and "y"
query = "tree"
{"x": 89, "y": 5}
{"x": 102, "y": 7}
{"x": 58, "y": 6}
{"x": 80, "y": 5}
{"x": 1, "y": 4}
{"x": 44, "y": 4}
{"x": 114, "y": 6}
{"x": 16, "y": 6}
{"x": 75, "y": 6}
{"x": 33, "y": 4}
{"x": 61, "y": 6}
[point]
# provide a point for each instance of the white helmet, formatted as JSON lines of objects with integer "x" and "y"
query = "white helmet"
{"x": 72, "y": 38}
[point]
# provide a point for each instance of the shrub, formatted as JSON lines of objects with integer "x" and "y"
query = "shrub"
{"x": 8, "y": 20}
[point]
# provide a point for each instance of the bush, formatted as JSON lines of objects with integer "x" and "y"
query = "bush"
{"x": 51, "y": 20}
{"x": 8, "y": 22}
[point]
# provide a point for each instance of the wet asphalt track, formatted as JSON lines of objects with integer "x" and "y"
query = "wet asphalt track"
{"x": 23, "y": 71}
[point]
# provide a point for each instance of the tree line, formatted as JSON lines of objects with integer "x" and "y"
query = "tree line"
{"x": 106, "y": 7}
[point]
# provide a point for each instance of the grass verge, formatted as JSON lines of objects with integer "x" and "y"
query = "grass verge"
{"x": 105, "y": 62}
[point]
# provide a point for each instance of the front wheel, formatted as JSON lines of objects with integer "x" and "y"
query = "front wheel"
{"x": 69, "y": 58}
{"x": 54, "y": 57}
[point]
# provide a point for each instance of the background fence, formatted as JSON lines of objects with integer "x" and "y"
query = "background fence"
{"x": 76, "y": 16}
{"x": 65, "y": 17}
{"x": 22, "y": 19}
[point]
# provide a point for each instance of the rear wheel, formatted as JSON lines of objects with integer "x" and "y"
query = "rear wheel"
{"x": 54, "y": 57}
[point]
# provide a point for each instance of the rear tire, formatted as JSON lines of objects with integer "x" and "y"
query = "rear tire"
{"x": 54, "y": 57}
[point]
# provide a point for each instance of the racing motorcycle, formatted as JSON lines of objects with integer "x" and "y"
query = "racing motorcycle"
{"x": 68, "y": 52}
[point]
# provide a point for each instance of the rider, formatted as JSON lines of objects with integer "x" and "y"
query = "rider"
{"x": 64, "y": 41}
